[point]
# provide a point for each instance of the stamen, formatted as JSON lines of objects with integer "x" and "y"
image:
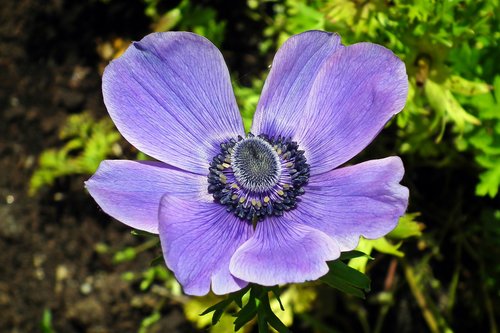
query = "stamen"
{"x": 257, "y": 176}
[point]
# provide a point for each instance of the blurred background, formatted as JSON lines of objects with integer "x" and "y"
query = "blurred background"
{"x": 65, "y": 266}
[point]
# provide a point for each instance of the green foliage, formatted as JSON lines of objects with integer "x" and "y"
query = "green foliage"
{"x": 484, "y": 141}
{"x": 247, "y": 98}
{"x": 87, "y": 143}
{"x": 407, "y": 227}
{"x": 46, "y": 322}
{"x": 147, "y": 322}
{"x": 346, "y": 279}
{"x": 443, "y": 44}
{"x": 256, "y": 305}
{"x": 188, "y": 16}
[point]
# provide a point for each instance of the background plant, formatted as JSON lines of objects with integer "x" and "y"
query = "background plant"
{"x": 442, "y": 261}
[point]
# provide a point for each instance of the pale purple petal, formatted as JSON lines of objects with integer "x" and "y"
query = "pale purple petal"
{"x": 170, "y": 96}
{"x": 365, "y": 199}
{"x": 198, "y": 239}
{"x": 283, "y": 250}
{"x": 294, "y": 68}
{"x": 131, "y": 191}
{"x": 356, "y": 92}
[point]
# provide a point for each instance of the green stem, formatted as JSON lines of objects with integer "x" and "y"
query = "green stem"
{"x": 435, "y": 325}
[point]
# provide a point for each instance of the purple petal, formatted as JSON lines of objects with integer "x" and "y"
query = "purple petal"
{"x": 131, "y": 191}
{"x": 170, "y": 96}
{"x": 283, "y": 250}
{"x": 198, "y": 239}
{"x": 356, "y": 92}
{"x": 365, "y": 199}
{"x": 287, "y": 87}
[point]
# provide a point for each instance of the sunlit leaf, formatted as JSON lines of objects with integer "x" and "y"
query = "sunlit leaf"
{"x": 407, "y": 227}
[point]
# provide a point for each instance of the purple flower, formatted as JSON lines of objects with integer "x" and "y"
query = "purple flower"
{"x": 269, "y": 207}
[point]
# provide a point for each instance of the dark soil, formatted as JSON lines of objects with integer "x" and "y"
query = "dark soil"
{"x": 49, "y": 69}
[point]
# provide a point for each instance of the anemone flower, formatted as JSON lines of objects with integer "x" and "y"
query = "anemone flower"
{"x": 269, "y": 207}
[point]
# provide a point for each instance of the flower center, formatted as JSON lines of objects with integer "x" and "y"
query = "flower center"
{"x": 256, "y": 165}
{"x": 257, "y": 176}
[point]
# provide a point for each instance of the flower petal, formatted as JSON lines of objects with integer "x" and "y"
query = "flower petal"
{"x": 131, "y": 191}
{"x": 365, "y": 199}
{"x": 356, "y": 92}
{"x": 292, "y": 74}
{"x": 198, "y": 239}
{"x": 283, "y": 250}
{"x": 170, "y": 96}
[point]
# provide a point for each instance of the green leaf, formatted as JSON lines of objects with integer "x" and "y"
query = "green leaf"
{"x": 149, "y": 321}
{"x": 275, "y": 322}
{"x": 142, "y": 233}
{"x": 344, "y": 286}
{"x": 384, "y": 246}
{"x": 156, "y": 261}
{"x": 124, "y": 255}
{"x": 86, "y": 143}
{"x": 246, "y": 314}
{"x": 359, "y": 263}
{"x": 443, "y": 102}
{"x": 221, "y": 306}
{"x": 489, "y": 182}
{"x": 346, "y": 279}
{"x": 354, "y": 277}
{"x": 276, "y": 292}
{"x": 353, "y": 254}
{"x": 217, "y": 309}
{"x": 262, "y": 324}
{"x": 462, "y": 86}
{"x": 407, "y": 227}
{"x": 265, "y": 314}
{"x": 46, "y": 323}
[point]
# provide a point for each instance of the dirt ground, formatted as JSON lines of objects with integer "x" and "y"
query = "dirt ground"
{"x": 48, "y": 257}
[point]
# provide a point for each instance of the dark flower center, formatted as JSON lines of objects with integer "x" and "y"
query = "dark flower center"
{"x": 257, "y": 176}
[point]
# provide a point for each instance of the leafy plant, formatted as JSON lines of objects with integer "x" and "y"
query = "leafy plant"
{"x": 87, "y": 143}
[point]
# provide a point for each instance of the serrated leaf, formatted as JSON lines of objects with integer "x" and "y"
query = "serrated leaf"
{"x": 489, "y": 182}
